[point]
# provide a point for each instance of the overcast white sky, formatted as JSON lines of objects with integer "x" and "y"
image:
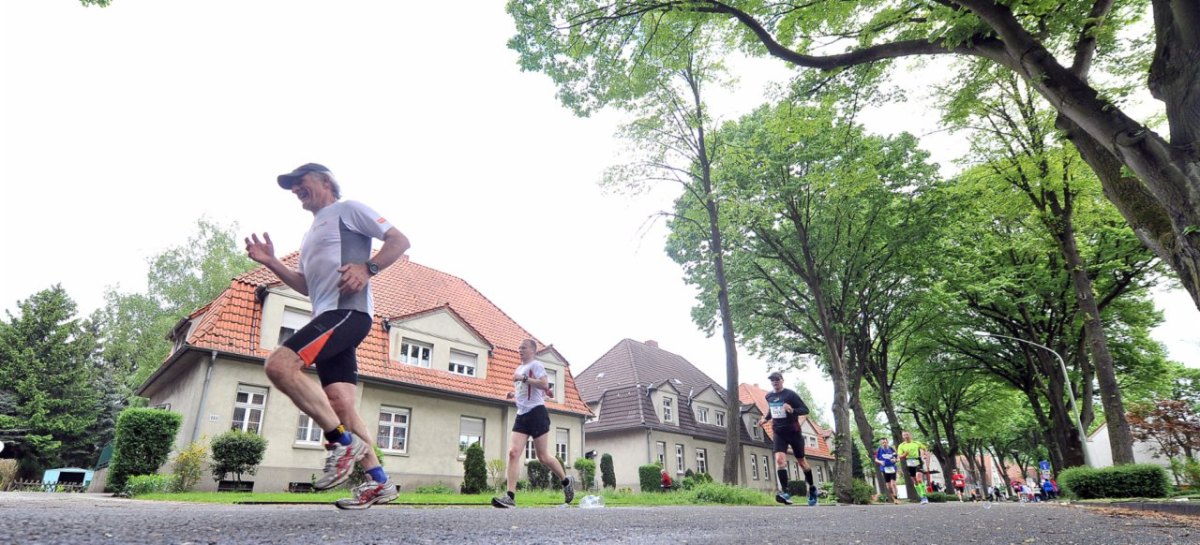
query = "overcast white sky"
{"x": 121, "y": 127}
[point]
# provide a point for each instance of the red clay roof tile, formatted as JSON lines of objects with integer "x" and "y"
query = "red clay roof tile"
{"x": 231, "y": 322}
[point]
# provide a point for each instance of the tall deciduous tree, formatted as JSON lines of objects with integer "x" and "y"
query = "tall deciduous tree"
{"x": 181, "y": 280}
{"x": 820, "y": 210}
{"x": 587, "y": 47}
{"x": 1015, "y": 142}
{"x": 674, "y": 135}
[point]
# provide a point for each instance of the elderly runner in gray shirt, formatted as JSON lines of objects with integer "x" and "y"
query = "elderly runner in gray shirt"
{"x": 335, "y": 271}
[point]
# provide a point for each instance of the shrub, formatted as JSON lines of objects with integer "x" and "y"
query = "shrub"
{"x": 189, "y": 465}
{"x": 940, "y": 497}
{"x": 475, "y": 478}
{"x": 607, "y": 475}
{"x": 1127, "y": 481}
{"x": 151, "y": 484}
{"x": 587, "y": 472}
{"x": 439, "y": 488}
{"x": 143, "y": 441}
{"x": 648, "y": 477}
{"x": 861, "y": 492}
{"x": 1187, "y": 470}
{"x": 797, "y": 488}
{"x": 724, "y": 494}
{"x": 8, "y": 473}
{"x": 237, "y": 452}
{"x": 495, "y": 469}
{"x": 694, "y": 480}
{"x": 539, "y": 475}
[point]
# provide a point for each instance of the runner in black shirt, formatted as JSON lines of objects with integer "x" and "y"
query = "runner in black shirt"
{"x": 784, "y": 409}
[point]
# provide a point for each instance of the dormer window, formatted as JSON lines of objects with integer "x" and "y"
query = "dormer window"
{"x": 462, "y": 363}
{"x": 702, "y": 415}
{"x": 666, "y": 409}
{"x": 415, "y": 353}
{"x": 721, "y": 418}
{"x": 552, "y": 378}
{"x": 292, "y": 321}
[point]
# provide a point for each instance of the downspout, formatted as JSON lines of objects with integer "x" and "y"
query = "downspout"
{"x": 203, "y": 396}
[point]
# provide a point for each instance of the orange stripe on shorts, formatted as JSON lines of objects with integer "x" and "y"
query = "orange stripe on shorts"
{"x": 310, "y": 351}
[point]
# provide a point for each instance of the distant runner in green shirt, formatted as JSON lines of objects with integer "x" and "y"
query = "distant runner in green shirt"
{"x": 913, "y": 455}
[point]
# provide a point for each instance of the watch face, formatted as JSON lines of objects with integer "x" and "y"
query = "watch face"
{"x": 372, "y": 268}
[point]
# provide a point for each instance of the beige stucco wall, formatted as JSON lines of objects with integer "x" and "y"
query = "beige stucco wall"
{"x": 445, "y": 333}
{"x": 432, "y": 455}
{"x": 635, "y": 448}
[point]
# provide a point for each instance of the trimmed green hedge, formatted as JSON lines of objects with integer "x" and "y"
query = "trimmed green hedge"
{"x": 797, "y": 489}
{"x": 1126, "y": 481}
{"x": 648, "y": 477}
{"x": 587, "y": 472}
{"x": 144, "y": 439}
{"x": 607, "y": 476}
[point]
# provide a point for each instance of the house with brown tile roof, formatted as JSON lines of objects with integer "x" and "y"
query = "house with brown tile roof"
{"x": 434, "y": 372}
{"x": 816, "y": 438}
{"x": 654, "y": 406}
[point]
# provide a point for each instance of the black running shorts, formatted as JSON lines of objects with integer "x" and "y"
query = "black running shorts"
{"x": 534, "y": 423}
{"x": 329, "y": 341}
{"x": 793, "y": 439}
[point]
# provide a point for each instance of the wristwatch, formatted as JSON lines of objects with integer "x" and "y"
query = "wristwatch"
{"x": 372, "y": 268}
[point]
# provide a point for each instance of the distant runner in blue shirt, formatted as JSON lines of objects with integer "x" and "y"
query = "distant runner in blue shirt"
{"x": 885, "y": 458}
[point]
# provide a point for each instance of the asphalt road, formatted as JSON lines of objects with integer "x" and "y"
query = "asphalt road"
{"x": 35, "y": 518}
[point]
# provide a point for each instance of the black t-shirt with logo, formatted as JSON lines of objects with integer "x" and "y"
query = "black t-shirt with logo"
{"x": 781, "y": 420}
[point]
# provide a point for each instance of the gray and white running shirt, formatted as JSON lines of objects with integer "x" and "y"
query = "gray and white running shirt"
{"x": 341, "y": 233}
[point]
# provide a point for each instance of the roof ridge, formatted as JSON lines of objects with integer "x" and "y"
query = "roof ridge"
{"x": 629, "y": 352}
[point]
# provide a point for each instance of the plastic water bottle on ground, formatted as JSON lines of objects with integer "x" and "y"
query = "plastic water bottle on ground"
{"x": 591, "y": 502}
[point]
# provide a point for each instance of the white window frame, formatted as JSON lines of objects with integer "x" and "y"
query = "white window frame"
{"x": 562, "y": 446}
{"x": 463, "y": 363}
{"x": 666, "y": 406}
{"x": 308, "y": 432}
{"x": 391, "y": 420}
{"x": 290, "y": 322}
{"x": 661, "y": 448}
{"x": 552, "y": 382}
{"x": 530, "y": 450}
{"x": 812, "y": 441}
{"x": 754, "y": 466}
{"x": 702, "y": 415}
{"x": 721, "y": 418}
{"x": 411, "y": 353}
{"x": 766, "y": 467}
{"x": 701, "y": 460}
{"x": 680, "y": 462}
{"x": 249, "y": 407}
{"x": 464, "y": 438}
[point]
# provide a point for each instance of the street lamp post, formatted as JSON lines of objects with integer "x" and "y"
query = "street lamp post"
{"x": 1087, "y": 458}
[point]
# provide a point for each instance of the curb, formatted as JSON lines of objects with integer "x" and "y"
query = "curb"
{"x": 1177, "y": 508}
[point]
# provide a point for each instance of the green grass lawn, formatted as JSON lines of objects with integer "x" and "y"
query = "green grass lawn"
{"x": 718, "y": 494}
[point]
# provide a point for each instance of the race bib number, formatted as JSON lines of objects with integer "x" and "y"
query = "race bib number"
{"x": 889, "y": 469}
{"x": 777, "y": 411}
{"x": 912, "y": 463}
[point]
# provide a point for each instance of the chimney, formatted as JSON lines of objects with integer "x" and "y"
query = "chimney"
{"x": 652, "y": 343}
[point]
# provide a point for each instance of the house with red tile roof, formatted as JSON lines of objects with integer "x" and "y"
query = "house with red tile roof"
{"x": 434, "y": 372}
{"x": 816, "y": 438}
{"x": 653, "y": 406}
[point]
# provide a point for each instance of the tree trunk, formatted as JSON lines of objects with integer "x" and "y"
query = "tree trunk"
{"x": 1110, "y": 390}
